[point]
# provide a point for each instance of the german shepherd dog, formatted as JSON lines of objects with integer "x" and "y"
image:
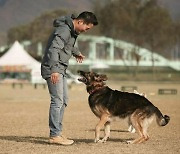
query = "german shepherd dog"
{"x": 107, "y": 104}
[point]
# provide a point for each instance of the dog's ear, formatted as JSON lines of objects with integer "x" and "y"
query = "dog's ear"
{"x": 104, "y": 77}
{"x": 100, "y": 78}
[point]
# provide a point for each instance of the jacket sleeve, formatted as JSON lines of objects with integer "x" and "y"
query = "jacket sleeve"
{"x": 75, "y": 51}
{"x": 61, "y": 36}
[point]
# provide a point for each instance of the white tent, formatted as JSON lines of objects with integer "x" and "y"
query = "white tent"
{"x": 16, "y": 59}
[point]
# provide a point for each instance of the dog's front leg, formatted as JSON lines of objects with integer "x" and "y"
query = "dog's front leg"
{"x": 103, "y": 120}
{"x": 106, "y": 132}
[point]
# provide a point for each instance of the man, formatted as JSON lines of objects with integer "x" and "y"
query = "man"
{"x": 59, "y": 50}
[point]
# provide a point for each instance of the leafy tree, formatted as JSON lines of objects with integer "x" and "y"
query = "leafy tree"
{"x": 141, "y": 22}
{"x": 176, "y": 32}
{"x": 18, "y": 33}
{"x": 155, "y": 25}
{"x": 37, "y": 30}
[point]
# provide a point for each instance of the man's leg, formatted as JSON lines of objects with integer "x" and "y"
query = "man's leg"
{"x": 65, "y": 101}
{"x": 56, "y": 94}
{"x": 58, "y": 103}
{"x": 61, "y": 117}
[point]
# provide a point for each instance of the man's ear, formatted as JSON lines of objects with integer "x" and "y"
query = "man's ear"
{"x": 80, "y": 22}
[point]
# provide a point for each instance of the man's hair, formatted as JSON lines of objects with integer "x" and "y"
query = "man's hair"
{"x": 88, "y": 18}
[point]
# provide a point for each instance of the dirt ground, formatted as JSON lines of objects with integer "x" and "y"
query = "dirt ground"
{"x": 24, "y": 122}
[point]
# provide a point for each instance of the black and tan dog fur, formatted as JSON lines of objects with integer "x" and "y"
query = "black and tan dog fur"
{"x": 107, "y": 104}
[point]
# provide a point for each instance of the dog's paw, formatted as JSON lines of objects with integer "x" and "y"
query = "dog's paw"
{"x": 96, "y": 140}
{"x": 133, "y": 130}
{"x": 129, "y": 142}
{"x": 105, "y": 139}
{"x": 99, "y": 141}
{"x": 102, "y": 141}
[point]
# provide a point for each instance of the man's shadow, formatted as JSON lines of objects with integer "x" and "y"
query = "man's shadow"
{"x": 45, "y": 140}
{"x": 30, "y": 139}
{"x": 38, "y": 140}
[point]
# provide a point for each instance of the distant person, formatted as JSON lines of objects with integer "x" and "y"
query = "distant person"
{"x": 60, "y": 48}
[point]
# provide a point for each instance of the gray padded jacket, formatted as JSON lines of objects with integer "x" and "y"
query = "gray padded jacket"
{"x": 60, "y": 47}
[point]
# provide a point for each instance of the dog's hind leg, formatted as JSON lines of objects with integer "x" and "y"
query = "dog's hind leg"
{"x": 137, "y": 119}
{"x": 131, "y": 128}
{"x": 104, "y": 118}
{"x": 106, "y": 132}
{"x": 145, "y": 124}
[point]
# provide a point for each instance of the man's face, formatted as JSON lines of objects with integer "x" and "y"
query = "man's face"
{"x": 82, "y": 27}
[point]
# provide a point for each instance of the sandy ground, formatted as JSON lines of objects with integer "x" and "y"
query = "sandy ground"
{"x": 24, "y": 122}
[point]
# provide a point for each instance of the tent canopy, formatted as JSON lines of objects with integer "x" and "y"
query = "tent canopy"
{"x": 17, "y": 59}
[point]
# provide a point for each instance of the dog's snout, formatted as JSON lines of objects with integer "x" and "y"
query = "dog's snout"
{"x": 80, "y": 72}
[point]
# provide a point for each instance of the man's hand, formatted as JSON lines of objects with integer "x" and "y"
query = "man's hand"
{"x": 54, "y": 78}
{"x": 80, "y": 58}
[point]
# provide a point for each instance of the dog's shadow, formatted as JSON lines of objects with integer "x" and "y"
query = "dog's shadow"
{"x": 112, "y": 130}
{"x": 91, "y": 141}
{"x": 113, "y": 139}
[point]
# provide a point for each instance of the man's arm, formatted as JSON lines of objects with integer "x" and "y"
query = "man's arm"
{"x": 61, "y": 36}
{"x": 78, "y": 55}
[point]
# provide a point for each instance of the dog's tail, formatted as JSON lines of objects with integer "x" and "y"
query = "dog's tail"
{"x": 161, "y": 120}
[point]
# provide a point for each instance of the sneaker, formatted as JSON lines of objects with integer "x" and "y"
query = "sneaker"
{"x": 62, "y": 140}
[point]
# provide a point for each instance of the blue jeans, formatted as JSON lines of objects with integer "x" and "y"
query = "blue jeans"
{"x": 59, "y": 98}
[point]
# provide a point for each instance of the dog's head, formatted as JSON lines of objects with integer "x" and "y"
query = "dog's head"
{"x": 92, "y": 80}
{"x": 90, "y": 77}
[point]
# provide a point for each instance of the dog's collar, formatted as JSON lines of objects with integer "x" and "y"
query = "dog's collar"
{"x": 94, "y": 90}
